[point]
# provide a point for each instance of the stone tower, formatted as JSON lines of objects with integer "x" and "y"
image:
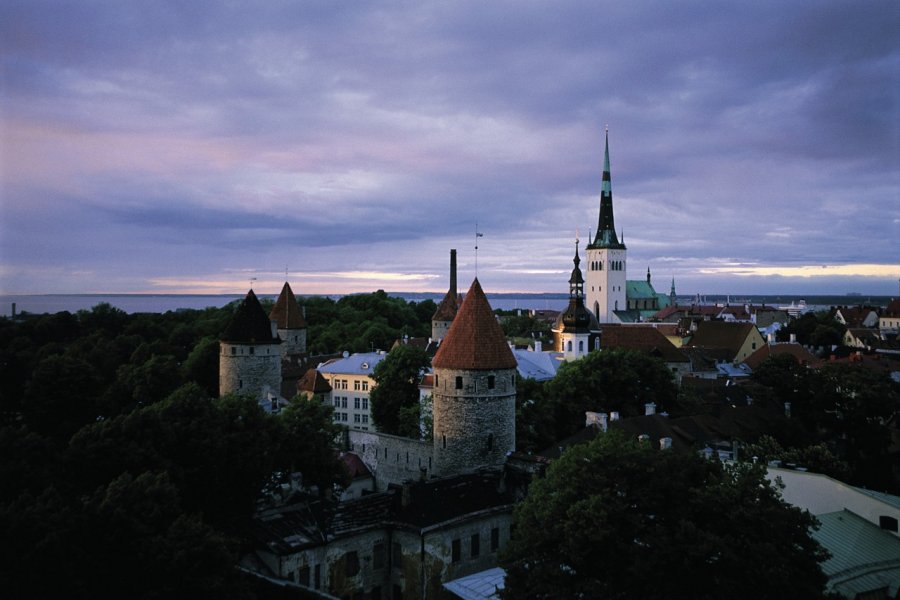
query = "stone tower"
{"x": 446, "y": 310}
{"x": 576, "y": 331}
{"x": 474, "y": 391}
{"x": 249, "y": 354}
{"x": 289, "y": 322}
{"x": 605, "y": 285}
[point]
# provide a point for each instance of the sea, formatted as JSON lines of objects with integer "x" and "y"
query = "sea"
{"x": 160, "y": 303}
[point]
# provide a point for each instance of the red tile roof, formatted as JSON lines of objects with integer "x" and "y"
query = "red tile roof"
{"x": 446, "y": 310}
{"x": 721, "y": 334}
{"x": 286, "y": 312}
{"x": 475, "y": 339}
{"x": 800, "y": 354}
{"x": 642, "y": 338}
{"x": 313, "y": 382}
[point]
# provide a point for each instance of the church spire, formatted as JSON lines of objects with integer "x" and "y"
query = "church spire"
{"x": 576, "y": 281}
{"x": 606, "y": 228}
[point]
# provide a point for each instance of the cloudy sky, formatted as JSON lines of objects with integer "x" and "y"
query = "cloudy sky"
{"x": 187, "y": 147}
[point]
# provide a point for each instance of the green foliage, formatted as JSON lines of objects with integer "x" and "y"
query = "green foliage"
{"x": 309, "y": 440}
{"x": 817, "y": 458}
{"x": 202, "y": 365}
{"x": 535, "y": 417}
{"x": 818, "y": 329}
{"x": 395, "y": 397}
{"x": 364, "y": 322}
{"x": 524, "y": 326}
{"x": 616, "y": 519}
{"x": 610, "y": 380}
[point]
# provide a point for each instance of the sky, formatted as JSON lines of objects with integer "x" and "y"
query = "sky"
{"x": 204, "y": 147}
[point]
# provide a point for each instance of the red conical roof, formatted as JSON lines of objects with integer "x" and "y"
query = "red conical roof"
{"x": 475, "y": 339}
{"x": 286, "y": 312}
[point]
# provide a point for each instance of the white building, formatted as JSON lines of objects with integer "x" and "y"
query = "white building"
{"x": 351, "y": 382}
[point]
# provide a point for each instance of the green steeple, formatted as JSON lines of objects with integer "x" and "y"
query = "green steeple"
{"x": 606, "y": 229}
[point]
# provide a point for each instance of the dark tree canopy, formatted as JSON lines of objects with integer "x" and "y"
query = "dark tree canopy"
{"x": 609, "y": 380}
{"x": 396, "y": 392}
{"x": 616, "y": 519}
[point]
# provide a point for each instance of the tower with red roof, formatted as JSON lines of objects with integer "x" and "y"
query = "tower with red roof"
{"x": 474, "y": 391}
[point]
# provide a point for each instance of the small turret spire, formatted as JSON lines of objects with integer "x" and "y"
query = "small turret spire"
{"x": 576, "y": 281}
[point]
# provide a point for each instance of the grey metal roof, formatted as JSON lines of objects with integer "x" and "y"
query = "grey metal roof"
{"x": 478, "y": 586}
{"x": 863, "y": 556}
{"x": 362, "y": 363}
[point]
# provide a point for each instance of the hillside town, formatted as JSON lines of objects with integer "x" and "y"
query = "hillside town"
{"x": 429, "y": 511}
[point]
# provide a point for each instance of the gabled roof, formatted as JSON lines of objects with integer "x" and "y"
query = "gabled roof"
{"x": 893, "y": 309}
{"x": 475, "y": 339}
{"x": 313, "y": 382}
{"x": 287, "y": 313}
{"x": 645, "y": 339}
{"x": 722, "y": 334}
{"x": 639, "y": 288}
{"x": 249, "y": 324}
{"x": 355, "y": 466}
{"x": 800, "y": 354}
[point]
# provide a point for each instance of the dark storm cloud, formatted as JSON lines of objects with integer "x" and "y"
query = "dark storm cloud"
{"x": 754, "y": 134}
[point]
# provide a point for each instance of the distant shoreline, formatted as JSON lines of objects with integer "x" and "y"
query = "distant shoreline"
{"x": 159, "y": 303}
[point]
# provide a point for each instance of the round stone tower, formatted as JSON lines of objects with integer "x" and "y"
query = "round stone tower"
{"x": 474, "y": 391}
{"x": 249, "y": 354}
{"x": 289, "y": 322}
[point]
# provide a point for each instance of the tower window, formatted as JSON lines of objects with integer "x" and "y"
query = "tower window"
{"x": 252, "y": 349}
{"x": 581, "y": 345}
{"x": 444, "y": 441}
{"x": 458, "y": 382}
{"x": 490, "y": 441}
{"x": 569, "y": 346}
{"x": 233, "y": 350}
{"x": 491, "y": 382}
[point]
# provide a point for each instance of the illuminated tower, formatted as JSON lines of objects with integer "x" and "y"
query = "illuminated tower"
{"x": 605, "y": 284}
{"x": 249, "y": 353}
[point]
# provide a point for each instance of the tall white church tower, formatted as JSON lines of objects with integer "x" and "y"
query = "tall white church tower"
{"x": 605, "y": 282}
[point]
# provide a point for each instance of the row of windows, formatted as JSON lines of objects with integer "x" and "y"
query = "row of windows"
{"x": 458, "y": 383}
{"x": 489, "y": 442}
{"x": 361, "y": 385}
{"x": 474, "y": 545}
{"x": 581, "y": 345}
{"x": 251, "y": 350}
{"x": 614, "y": 265}
{"x": 345, "y": 418}
{"x": 358, "y": 403}
{"x": 343, "y": 384}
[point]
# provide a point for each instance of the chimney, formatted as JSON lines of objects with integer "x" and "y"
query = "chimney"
{"x": 787, "y": 409}
{"x": 274, "y": 327}
{"x": 614, "y": 416}
{"x": 771, "y": 338}
{"x": 665, "y": 443}
{"x": 453, "y": 272}
{"x": 650, "y": 409}
{"x": 644, "y": 438}
{"x": 793, "y": 338}
{"x": 538, "y": 347}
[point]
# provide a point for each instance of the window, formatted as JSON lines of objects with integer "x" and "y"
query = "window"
{"x": 365, "y": 386}
{"x": 475, "y": 546}
{"x": 581, "y": 345}
{"x": 233, "y": 350}
{"x": 397, "y": 555}
{"x": 356, "y": 418}
{"x": 886, "y": 522}
{"x": 240, "y": 383}
{"x": 356, "y": 385}
{"x": 365, "y": 403}
{"x": 356, "y": 403}
{"x": 351, "y": 564}
{"x": 343, "y": 416}
{"x": 490, "y": 441}
{"x": 495, "y": 539}
{"x": 318, "y": 576}
{"x": 365, "y": 418}
{"x": 303, "y": 576}
{"x": 459, "y": 383}
{"x": 444, "y": 441}
{"x": 378, "y": 555}
{"x": 252, "y": 349}
{"x": 569, "y": 346}
{"x": 344, "y": 402}
{"x": 337, "y": 402}
{"x": 491, "y": 382}
{"x": 454, "y": 551}
{"x": 435, "y": 380}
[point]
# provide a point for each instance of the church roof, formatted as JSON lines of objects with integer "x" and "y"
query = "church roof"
{"x": 286, "y": 312}
{"x": 606, "y": 227}
{"x": 639, "y": 288}
{"x": 249, "y": 324}
{"x": 475, "y": 339}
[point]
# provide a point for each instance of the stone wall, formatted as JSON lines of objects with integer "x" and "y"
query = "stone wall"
{"x": 293, "y": 341}
{"x": 249, "y": 369}
{"x": 474, "y": 419}
{"x": 439, "y": 329}
{"x": 391, "y": 458}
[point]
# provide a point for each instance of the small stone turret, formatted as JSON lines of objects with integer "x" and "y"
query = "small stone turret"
{"x": 289, "y": 322}
{"x": 249, "y": 353}
{"x": 474, "y": 391}
{"x": 447, "y": 309}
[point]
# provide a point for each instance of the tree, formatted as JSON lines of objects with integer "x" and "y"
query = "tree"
{"x": 309, "y": 444}
{"x": 397, "y": 388}
{"x": 616, "y": 519}
{"x": 609, "y": 380}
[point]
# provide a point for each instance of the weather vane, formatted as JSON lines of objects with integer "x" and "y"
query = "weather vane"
{"x": 477, "y": 235}
{"x": 252, "y": 279}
